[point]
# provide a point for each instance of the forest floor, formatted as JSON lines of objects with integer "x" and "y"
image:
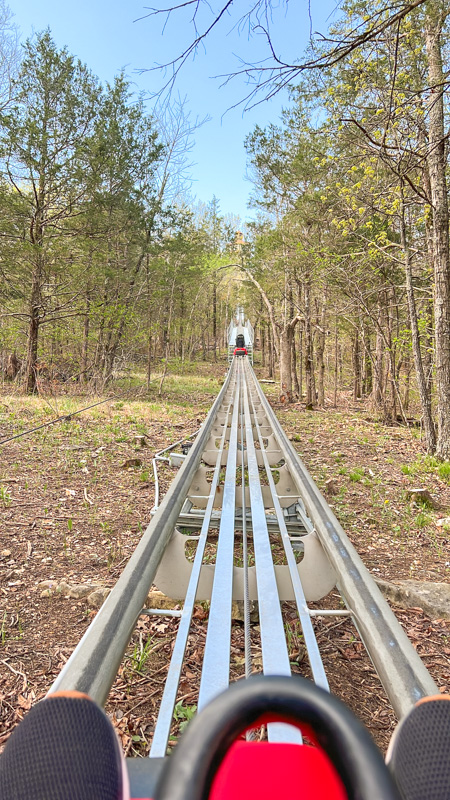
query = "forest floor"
{"x": 71, "y": 508}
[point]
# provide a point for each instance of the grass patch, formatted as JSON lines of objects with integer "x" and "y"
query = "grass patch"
{"x": 183, "y": 714}
{"x": 427, "y": 465}
{"x": 356, "y": 474}
{"x": 422, "y": 519}
{"x": 443, "y": 471}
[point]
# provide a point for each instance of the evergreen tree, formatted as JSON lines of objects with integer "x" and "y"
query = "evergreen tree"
{"x": 43, "y": 147}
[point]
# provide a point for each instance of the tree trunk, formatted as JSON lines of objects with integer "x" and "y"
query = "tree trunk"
{"x": 378, "y": 387}
{"x": 356, "y": 359}
{"x": 271, "y": 353}
{"x": 295, "y": 382}
{"x": 149, "y": 347}
{"x": 437, "y": 167}
{"x": 286, "y": 337}
{"x": 336, "y": 360}
{"x": 428, "y": 357}
{"x": 33, "y": 329}
{"x": 309, "y": 352}
{"x": 406, "y": 395}
{"x": 269, "y": 307}
{"x": 203, "y": 345}
{"x": 300, "y": 361}
{"x": 214, "y": 320}
{"x": 263, "y": 344}
{"x": 367, "y": 374}
{"x": 294, "y": 377}
{"x": 85, "y": 344}
{"x": 32, "y": 350}
{"x": 167, "y": 349}
{"x": 320, "y": 351}
{"x": 392, "y": 375}
{"x": 286, "y": 365}
{"x": 425, "y": 398}
{"x": 182, "y": 329}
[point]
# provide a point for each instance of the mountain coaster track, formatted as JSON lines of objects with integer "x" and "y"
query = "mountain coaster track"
{"x": 246, "y": 501}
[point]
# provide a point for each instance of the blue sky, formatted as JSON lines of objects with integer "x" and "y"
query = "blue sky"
{"x": 107, "y": 36}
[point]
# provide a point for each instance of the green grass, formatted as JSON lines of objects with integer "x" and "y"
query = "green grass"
{"x": 443, "y": 471}
{"x": 427, "y": 465}
{"x": 356, "y": 474}
{"x": 5, "y": 496}
{"x": 5, "y": 636}
{"x": 140, "y": 655}
{"x": 422, "y": 519}
{"x": 183, "y": 714}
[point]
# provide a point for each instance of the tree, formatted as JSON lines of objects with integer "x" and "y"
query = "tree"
{"x": 273, "y": 73}
{"x": 287, "y": 183}
{"x": 121, "y": 210}
{"x": 9, "y": 55}
{"x": 43, "y": 147}
{"x": 436, "y": 14}
{"x": 401, "y": 122}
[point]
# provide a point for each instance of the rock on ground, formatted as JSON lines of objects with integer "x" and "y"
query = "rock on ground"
{"x": 433, "y": 598}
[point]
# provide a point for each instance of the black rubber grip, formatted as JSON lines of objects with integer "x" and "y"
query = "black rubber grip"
{"x": 190, "y": 771}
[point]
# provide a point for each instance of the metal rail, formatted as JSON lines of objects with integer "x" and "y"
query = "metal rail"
{"x": 216, "y": 659}
{"x": 242, "y": 478}
{"x": 401, "y": 671}
{"x": 162, "y": 732}
{"x": 240, "y": 326}
{"x": 93, "y": 665}
{"x": 303, "y": 611}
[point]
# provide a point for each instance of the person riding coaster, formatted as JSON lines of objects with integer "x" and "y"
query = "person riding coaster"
{"x": 66, "y": 748}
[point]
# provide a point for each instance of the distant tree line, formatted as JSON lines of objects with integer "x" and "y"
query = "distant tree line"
{"x": 102, "y": 262}
{"x": 346, "y": 273}
{"x": 351, "y": 255}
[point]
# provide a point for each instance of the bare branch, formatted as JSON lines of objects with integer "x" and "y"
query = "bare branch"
{"x": 274, "y": 74}
{"x": 177, "y": 63}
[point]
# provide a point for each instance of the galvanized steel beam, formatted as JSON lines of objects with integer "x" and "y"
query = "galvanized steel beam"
{"x": 93, "y": 665}
{"x": 401, "y": 671}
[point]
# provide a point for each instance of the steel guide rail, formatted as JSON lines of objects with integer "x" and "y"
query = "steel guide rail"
{"x": 248, "y": 440}
{"x": 315, "y": 660}
{"x": 216, "y": 660}
{"x": 273, "y": 639}
{"x": 93, "y": 665}
{"x": 400, "y": 669}
{"x": 162, "y": 729}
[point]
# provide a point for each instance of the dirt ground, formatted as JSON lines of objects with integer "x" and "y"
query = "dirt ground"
{"x": 72, "y": 508}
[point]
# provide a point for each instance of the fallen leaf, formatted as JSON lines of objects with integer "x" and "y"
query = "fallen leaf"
{"x": 199, "y": 613}
{"x": 24, "y": 702}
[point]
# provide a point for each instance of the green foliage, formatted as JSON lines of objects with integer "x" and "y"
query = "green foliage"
{"x": 5, "y": 496}
{"x": 443, "y": 470}
{"x": 183, "y": 714}
{"x": 356, "y": 474}
{"x": 86, "y": 230}
{"x": 3, "y": 629}
{"x": 422, "y": 519}
{"x": 4, "y": 634}
{"x": 140, "y": 655}
{"x": 427, "y": 465}
{"x": 92, "y": 239}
